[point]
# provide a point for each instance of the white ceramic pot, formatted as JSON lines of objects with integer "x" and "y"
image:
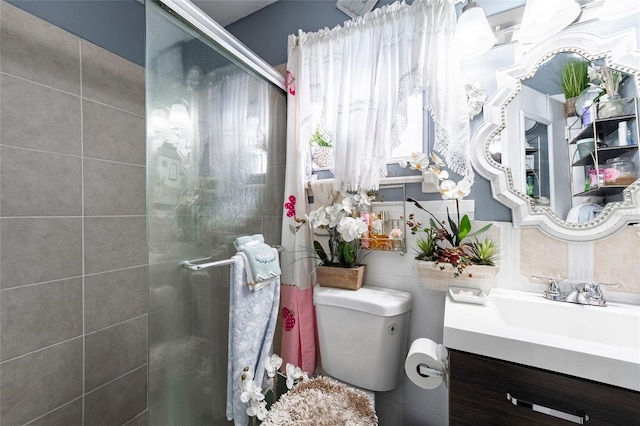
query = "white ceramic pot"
{"x": 441, "y": 276}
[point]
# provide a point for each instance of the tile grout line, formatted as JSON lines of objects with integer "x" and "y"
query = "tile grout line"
{"x": 4, "y": 73}
{"x": 0, "y": 250}
{"x": 53, "y": 345}
{"x": 140, "y": 367}
{"x": 84, "y": 352}
{"x": 51, "y": 411}
{"x": 91, "y": 274}
{"x": 80, "y": 156}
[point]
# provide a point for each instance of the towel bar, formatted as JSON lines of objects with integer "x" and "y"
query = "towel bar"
{"x": 192, "y": 266}
{"x": 188, "y": 264}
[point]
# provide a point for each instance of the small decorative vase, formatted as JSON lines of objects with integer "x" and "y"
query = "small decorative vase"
{"x": 338, "y": 277}
{"x": 614, "y": 107}
{"x": 441, "y": 276}
{"x": 322, "y": 155}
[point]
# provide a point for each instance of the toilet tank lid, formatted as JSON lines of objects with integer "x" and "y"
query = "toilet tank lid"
{"x": 374, "y": 300}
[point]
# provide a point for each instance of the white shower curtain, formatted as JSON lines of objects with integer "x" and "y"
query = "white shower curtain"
{"x": 354, "y": 82}
{"x": 236, "y": 108}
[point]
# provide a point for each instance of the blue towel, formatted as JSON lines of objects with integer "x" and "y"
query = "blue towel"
{"x": 262, "y": 258}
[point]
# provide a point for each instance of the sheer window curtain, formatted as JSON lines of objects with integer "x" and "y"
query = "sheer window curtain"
{"x": 354, "y": 82}
{"x": 235, "y": 111}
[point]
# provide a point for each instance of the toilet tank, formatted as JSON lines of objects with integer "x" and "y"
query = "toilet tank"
{"x": 363, "y": 334}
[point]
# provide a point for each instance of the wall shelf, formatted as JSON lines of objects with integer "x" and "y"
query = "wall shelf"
{"x": 603, "y": 130}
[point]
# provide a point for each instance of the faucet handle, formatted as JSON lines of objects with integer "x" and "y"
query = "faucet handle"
{"x": 594, "y": 289}
{"x": 553, "y": 290}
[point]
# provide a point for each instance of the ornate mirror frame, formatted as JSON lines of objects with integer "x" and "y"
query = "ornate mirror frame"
{"x": 620, "y": 51}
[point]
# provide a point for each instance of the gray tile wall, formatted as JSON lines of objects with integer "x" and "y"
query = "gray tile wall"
{"x": 73, "y": 292}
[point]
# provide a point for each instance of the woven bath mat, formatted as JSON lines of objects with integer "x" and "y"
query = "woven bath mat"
{"x": 322, "y": 402}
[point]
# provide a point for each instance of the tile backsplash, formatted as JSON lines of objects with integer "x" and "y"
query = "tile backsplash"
{"x": 610, "y": 260}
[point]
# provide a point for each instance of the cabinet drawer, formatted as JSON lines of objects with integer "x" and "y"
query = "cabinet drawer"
{"x": 478, "y": 388}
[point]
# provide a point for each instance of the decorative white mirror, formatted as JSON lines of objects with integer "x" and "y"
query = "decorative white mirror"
{"x": 534, "y": 156}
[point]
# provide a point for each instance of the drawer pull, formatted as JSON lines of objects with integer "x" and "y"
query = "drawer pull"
{"x": 580, "y": 419}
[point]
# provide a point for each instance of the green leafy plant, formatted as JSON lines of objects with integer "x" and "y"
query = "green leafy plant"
{"x": 484, "y": 252}
{"x": 321, "y": 137}
{"x": 574, "y": 78}
{"x": 444, "y": 242}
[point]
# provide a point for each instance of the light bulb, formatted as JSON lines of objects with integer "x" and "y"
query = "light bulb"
{"x": 179, "y": 116}
{"x": 543, "y": 18}
{"x": 473, "y": 35}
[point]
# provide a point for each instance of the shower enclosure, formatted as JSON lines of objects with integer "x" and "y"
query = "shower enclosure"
{"x": 216, "y": 155}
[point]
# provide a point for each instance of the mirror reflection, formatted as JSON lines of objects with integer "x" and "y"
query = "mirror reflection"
{"x": 576, "y": 124}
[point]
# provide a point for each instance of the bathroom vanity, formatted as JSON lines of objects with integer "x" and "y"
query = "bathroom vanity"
{"x": 523, "y": 360}
{"x": 485, "y": 390}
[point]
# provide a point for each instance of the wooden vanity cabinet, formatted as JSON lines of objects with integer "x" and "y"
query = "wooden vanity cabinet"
{"x": 478, "y": 388}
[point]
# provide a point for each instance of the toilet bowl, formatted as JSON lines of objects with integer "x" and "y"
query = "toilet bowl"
{"x": 362, "y": 335}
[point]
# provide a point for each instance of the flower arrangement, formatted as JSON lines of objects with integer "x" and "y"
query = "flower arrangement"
{"x": 343, "y": 227}
{"x": 445, "y": 242}
{"x": 606, "y": 79}
{"x": 252, "y": 393}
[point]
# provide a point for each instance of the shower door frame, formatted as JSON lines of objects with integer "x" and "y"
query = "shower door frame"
{"x": 198, "y": 19}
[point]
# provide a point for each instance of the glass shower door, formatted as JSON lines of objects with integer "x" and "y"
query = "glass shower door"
{"x": 215, "y": 157}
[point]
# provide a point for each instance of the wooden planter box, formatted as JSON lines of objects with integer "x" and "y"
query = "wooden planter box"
{"x": 336, "y": 277}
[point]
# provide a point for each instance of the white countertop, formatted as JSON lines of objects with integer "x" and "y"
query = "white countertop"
{"x": 595, "y": 343}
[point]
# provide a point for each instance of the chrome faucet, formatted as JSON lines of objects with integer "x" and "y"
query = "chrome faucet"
{"x": 582, "y": 293}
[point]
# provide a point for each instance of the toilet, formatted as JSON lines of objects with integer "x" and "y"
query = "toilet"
{"x": 362, "y": 335}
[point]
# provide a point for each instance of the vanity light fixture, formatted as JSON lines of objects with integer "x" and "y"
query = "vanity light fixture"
{"x": 179, "y": 116}
{"x": 473, "y": 35}
{"x": 543, "y": 18}
{"x": 616, "y": 9}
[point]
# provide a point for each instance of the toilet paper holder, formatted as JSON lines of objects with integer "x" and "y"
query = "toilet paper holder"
{"x": 425, "y": 371}
{"x": 427, "y": 364}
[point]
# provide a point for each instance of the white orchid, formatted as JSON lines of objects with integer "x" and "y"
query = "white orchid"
{"x": 318, "y": 218}
{"x": 426, "y": 164}
{"x": 251, "y": 391}
{"x": 351, "y": 228}
{"x": 449, "y": 190}
{"x": 416, "y": 161}
{"x": 336, "y": 213}
{"x": 343, "y": 227}
{"x": 295, "y": 375}
{"x": 273, "y": 364}
{"x": 258, "y": 409}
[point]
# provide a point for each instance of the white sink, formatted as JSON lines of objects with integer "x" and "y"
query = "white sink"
{"x": 596, "y": 343}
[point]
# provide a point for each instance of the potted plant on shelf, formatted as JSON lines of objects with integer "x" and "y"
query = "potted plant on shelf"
{"x": 608, "y": 81}
{"x": 321, "y": 147}
{"x": 341, "y": 266}
{"x": 574, "y": 80}
{"x": 445, "y": 252}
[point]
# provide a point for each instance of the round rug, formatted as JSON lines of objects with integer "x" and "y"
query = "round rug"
{"x": 322, "y": 402}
